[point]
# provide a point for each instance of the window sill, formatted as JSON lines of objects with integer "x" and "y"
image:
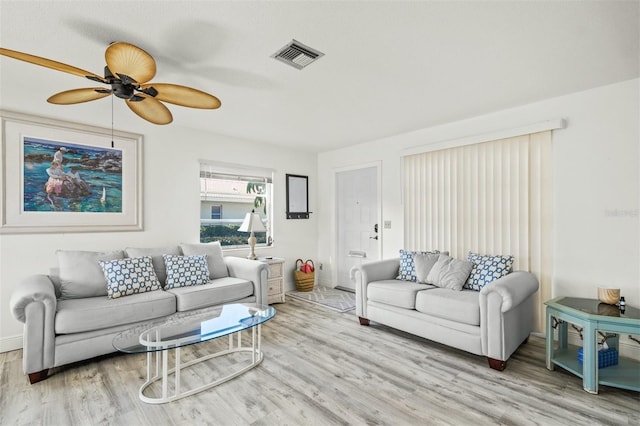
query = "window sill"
{"x": 232, "y": 249}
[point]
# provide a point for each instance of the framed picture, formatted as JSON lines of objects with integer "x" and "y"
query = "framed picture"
{"x": 58, "y": 176}
{"x": 297, "y": 197}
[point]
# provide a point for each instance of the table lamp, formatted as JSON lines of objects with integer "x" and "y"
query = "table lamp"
{"x": 252, "y": 223}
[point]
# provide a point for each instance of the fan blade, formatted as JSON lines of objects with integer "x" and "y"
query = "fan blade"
{"x": 183, "y": 96}
{"x": 151, "y": 110}
{"x": 77, "y": 96}
{"x": 131, "y": 61}
{"x": 48, "y": 63}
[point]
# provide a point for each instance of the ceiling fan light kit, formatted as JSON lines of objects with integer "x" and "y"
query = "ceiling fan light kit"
{"x": 128, "y": 72}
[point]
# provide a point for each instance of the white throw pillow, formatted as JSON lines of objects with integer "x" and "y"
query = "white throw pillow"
{"x": 449, "y": 273}
{"x": 80, "y": 273}
{"x": 407, "y": 270}
{"x": 424, "y": 262}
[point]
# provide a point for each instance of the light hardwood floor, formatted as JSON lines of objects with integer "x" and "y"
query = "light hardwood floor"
{"x": 322, "y": 368}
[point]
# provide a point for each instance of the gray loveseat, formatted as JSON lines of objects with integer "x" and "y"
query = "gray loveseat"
{"x": 492, "y": 322}
{"x": 68, "y": 317}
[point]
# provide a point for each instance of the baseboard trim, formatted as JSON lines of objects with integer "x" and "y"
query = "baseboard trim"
{"x": 12, "y": 343}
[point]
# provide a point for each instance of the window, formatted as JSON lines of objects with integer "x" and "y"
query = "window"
{"x": 216, "y": 212}
{"x": 236, "y": 191}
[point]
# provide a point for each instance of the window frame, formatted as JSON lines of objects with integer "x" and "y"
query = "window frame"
{"x": 244, "y": 174}
{"x": 219, "y": 213}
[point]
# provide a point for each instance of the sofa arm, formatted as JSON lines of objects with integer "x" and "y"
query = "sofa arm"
{"x": 506, "y": 313}
{"x": 34, "y": 304}
{"x": 369, "y": 272}
{"x": 513, "y": 288}
{"x": 251, "y": 270}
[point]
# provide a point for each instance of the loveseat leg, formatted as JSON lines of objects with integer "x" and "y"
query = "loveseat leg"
{"x": 38, "y": 376}
{"x": 363, "y": 321}
{"x": 497, "y": 364}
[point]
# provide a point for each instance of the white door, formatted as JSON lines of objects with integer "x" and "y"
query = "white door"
{"x": 357, "y": 221}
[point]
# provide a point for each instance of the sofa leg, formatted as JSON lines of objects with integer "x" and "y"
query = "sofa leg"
{"x": 38, "y": 376}
{"x": 497, "y": 364}
{"x": 363, "y": 321}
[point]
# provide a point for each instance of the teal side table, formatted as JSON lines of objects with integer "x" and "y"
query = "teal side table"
{"x": 593, "y": 317}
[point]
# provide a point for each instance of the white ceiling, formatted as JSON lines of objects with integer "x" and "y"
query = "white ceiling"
{"x": 390, "y": 67}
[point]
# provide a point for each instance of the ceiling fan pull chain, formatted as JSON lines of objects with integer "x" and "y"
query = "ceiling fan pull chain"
{"x": 112, "y": 122}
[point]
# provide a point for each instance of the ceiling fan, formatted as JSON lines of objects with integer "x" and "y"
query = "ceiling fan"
{"x": 128, "y": 72}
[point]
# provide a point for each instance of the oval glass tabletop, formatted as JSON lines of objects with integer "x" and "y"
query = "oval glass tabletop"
{"x": 187, "y": 328}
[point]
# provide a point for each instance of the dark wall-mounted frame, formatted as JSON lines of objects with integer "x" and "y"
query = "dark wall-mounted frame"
{"x": 297, "y": 197}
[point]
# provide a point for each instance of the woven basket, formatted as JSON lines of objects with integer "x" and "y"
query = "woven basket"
{"x": 304, "y": 280}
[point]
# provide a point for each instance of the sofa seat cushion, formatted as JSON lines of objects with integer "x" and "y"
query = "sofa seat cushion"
{"x": 396, "y": 293}
{"x": 460, "y": 306}
{"x": 216, "y": 292}
{"x": 94, "y": 313}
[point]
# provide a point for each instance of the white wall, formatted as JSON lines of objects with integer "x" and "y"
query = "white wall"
{"x": 171, "y": 207}
{"x": 596, "y": 235}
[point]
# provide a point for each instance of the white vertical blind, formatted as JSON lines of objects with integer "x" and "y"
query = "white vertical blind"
{"x": 490, "y": 198}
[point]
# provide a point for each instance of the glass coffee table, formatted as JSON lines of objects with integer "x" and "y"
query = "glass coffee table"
{"x": 592, "y": 319}
{"x": 156, "y": 339}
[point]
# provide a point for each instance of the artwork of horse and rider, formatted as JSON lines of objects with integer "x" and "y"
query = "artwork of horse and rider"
{"x": 69, "y": 177}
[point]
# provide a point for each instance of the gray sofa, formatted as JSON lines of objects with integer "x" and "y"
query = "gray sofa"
{"x": 68, "y": 317}
{"x": 492, "y": 322}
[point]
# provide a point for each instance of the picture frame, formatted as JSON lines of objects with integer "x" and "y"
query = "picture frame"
{"x": 297, "y": 197}
{"x": 63, "y": 177}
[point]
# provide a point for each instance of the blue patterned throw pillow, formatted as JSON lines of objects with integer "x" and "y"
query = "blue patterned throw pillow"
{"x": 486, "y": 269}
{"x": 128, "y": 276}
{"x": 407, "y": 271}
{"x": 183, "y": 271}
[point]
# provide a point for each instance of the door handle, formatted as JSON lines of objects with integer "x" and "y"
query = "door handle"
{"x": 355, "y": 253}
{"x": 375, "y": 229}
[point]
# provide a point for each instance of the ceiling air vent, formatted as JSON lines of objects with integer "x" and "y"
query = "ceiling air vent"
{"x": 297, "y": 54}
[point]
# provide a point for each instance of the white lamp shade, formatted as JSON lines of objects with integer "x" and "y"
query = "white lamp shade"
{"x": 252, "y": 223}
